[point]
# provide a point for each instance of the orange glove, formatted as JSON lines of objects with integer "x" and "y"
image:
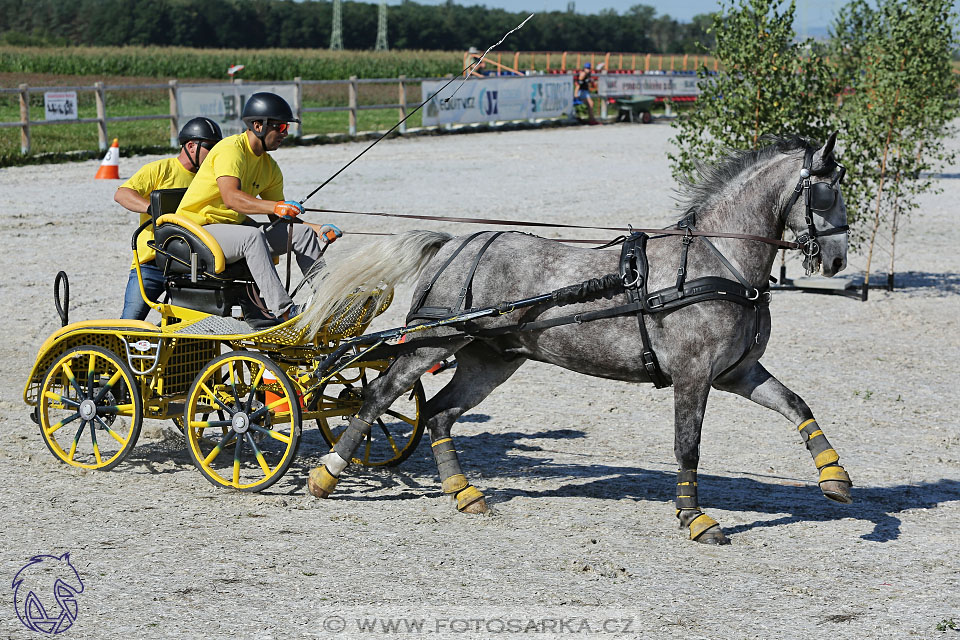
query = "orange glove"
{"x": 288, "y": 208}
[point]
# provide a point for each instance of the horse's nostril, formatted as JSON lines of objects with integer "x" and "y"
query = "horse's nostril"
{"x": 837, "y": 264}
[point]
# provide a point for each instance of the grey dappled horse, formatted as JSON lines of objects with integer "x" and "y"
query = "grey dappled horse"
{"x": 698, "y": 346}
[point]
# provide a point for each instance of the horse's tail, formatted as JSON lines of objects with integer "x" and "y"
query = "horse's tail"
{"x": 373, "y": 271}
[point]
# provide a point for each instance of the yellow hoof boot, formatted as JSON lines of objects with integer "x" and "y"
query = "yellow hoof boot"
{"x": 705, "y": 529}
{"x": 835, "y": 484}
{"x": 321, "y": 482}
{"x": 470, "y": 499}
{"x": 455, "y": 484}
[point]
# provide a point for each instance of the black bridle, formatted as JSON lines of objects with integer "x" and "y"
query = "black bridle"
{"x": 817, "y": 196}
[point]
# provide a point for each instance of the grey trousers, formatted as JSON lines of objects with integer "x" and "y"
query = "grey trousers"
{"x": 251, "y": 243}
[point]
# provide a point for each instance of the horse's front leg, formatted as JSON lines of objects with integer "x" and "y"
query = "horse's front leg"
{"x": 690, "y": 403}
{"x": 757, "y": 384}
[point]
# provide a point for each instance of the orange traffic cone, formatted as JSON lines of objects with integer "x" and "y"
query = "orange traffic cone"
{"x": 110, "y": 167}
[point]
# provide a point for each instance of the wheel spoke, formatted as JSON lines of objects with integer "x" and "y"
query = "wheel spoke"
{"x": 276, "y": 435}
{"x": 116, "y": 409}
{"x": 90, "y": 371}
{"x": 96, "y": 448}
{"x": 107, "y": 428}
{"x": 259, "y": 455}
{"x": 112, "y": 381}
{"x": 236, "y": 462}
{"x": 217, "y": 449}
{"x": 253, "y": 385}
{"x": 76, "y": 439}
{"x": 67, "y": 371}
{"x": 399, "y": 416}
{"x": 50, "y": 395}
{"x": 214, "y": 397}
{"x": 233, "y": 385}
{"x": 210, "y": 423}
{"x": 386, "y": 432}
{"x": 63, "y": 422}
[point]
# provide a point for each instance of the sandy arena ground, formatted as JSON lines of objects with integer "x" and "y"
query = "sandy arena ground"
{"x": 579, "y": 472}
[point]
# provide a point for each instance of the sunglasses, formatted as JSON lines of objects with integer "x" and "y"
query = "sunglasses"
{"x": 281, "y": 127}
{"x": 823, "y": 195}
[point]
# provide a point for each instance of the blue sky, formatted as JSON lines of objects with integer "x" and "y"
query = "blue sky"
{"x": 812, "y": 13}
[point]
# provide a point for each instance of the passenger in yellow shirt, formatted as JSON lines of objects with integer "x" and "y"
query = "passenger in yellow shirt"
{"x": 196, "y": 139}
{"x": 240, "y": 179}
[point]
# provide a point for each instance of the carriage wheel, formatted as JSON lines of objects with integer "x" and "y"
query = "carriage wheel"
{"x": 393, "y": 436}
{"x": 242, "y": 431}
{"x": 89, "y": 408}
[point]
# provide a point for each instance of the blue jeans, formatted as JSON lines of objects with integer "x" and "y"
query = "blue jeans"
{"x": 134, "y": 308}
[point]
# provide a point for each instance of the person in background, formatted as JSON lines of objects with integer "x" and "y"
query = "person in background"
{"x": 240, "y": 179}
{"x": 196, "y": 139}
{"x": 583, "y": 80}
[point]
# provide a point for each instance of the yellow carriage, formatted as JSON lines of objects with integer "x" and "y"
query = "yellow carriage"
{"x": 240, "y": 395}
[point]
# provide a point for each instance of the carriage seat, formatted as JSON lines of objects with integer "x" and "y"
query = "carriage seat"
{"x": 197, "y": 274}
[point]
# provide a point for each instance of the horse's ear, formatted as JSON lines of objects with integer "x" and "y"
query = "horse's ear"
{"x": 825, "y": 152}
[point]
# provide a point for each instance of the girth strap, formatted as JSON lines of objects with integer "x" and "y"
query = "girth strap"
{"x": 438, "y": 312}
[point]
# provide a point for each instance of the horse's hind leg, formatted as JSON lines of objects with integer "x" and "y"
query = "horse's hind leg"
{"x": 381, "y": 393}
{"x": 479, "y": 371}
{"x": 757, "y": 384}
{"x": 690, "y": 403}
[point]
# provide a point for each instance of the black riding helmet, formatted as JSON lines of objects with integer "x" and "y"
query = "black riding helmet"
{"x": 266, "y": 106}
{"x": 202, "y": 129}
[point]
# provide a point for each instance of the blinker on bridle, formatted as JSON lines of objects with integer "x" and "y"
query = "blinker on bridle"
{"x": 817, "y": 196}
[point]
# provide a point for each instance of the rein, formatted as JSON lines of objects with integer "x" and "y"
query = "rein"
{"x": 522, "y": 223}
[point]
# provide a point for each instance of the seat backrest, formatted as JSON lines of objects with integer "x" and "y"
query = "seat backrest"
{"x": 164, "y": 201}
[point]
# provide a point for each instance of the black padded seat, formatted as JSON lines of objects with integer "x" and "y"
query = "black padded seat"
{"x": 205, "y": 289}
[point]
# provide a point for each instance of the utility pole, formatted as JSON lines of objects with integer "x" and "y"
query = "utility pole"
{"x": 336, "y": 31}
{"x": 382, "y": 27}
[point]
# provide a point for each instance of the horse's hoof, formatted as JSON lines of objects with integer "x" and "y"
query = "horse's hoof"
{"x": 470, "y": 500}
{"x": 478, "y": 507}
{"x": 320, "y": 482}
{"x": 713, "y": 535}
{"x": 837, "y": 490}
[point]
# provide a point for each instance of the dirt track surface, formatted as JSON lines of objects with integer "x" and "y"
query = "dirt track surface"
{"x": 579, "y": 472}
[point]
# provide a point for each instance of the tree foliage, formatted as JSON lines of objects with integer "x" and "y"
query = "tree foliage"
{"x": 893, "y": 63}
{"x": 772, "y": 85}
{"x": 251, "y": 24}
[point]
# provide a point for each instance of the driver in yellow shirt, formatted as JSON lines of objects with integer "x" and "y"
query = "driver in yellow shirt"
{"x": 240, "y": 179}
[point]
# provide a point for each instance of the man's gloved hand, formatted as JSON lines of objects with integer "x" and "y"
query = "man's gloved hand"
{"x": 329, "y": 233}
{"x": 288, "y": 208}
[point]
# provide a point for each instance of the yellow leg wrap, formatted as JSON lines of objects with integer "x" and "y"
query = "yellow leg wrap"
{"x": 827, "y": 457}
{"x": 467, "y": 496}
{"x": 321, "y": 482}
{"x": 455, "y": 483}
{"x": 834, "y": 473}
{"x": 700, "y": 524}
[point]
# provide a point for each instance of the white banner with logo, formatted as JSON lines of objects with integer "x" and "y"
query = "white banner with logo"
{"x": 224, "y": 103}
{"x": 497, "y": 98}
{"x": 60, "y": 105}
{"x": 648, "y": 84}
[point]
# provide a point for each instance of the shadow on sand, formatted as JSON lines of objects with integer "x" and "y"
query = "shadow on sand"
{"x": 512, "y": 455}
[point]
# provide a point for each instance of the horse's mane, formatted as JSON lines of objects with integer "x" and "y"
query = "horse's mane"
{"x": 711, "y": 177}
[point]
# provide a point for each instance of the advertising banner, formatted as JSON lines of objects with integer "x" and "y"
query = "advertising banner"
{"x": 497, "y": 98}
{"x": 648, "y": 84}
{"x": 60, "y": 105}
{"x": 224, "y": 103}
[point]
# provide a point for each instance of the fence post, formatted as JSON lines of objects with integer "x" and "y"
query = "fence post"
{"x": 402, "y": 99}
{"x": 24, "y": 119}
{"x": 101, "y": 114}
{"x": 174, "y": 114}
{"x": 298, "y": 102}
{"x": 353, "y": 105}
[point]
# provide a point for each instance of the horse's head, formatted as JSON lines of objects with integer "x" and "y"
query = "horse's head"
{"x": 817, "y": 214}
{"x": 41, "y": 584}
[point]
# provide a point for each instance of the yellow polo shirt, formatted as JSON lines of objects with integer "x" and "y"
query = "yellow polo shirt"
{"x": 259, "y": 176}
{"x": 168, "y": 173}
